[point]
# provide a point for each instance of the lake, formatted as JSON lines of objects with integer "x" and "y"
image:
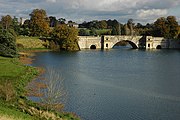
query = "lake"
{"x": 118, "y": 84}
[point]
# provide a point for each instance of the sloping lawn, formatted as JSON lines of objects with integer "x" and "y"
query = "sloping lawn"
{"x": 31, "y": 43}
{"x": 13, "y": 78}
{"x": 7, "y": 113}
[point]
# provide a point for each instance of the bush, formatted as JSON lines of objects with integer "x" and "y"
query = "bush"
{"x": 7, "y": 44}
{"x": 7, "y": 91}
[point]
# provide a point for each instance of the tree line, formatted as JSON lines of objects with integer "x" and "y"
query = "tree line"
{"x": 162, "y": 27}
{"x": 40, "y": 24}
{"x": 61, "y": 35}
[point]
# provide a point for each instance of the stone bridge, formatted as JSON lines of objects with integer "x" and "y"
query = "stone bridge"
{"x": 108, "y": 42}
{"x": 111, "y": 41}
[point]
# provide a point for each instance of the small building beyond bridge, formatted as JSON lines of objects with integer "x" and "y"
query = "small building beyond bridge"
{"x": 137, "y": 42}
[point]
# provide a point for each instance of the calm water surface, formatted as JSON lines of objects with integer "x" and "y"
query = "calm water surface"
{"x": 119, "y": 84}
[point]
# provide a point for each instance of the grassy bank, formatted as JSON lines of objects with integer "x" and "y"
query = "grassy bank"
{"x": 14, "y": 76}
{"x": 8, "y": 112}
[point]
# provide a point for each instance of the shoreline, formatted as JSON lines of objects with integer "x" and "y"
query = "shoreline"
{"x": 25, "y": 57}
{"x": 33, "y": 88}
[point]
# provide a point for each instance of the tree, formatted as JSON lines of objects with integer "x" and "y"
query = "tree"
{"x": 66, "y": 37}
{"x": 131, "y": 26}
{"x": 126, "y": 30}
{"x": 83, "y": 32}
{"x": 62, "y": 20}
{"x": 173, "y": 27}
{"x": 6, "y": 22}
{"x": 16, "y": 25}
{"x": 7, "y": 44}
{"x": 93, "y": 32}
{"x": 114, "y": 31}
{"x": 116, "y": 26}
{"x": 39, "y": 23}
{"x": 166, "y": 27}
{"x": 160, "y": 27}
{"x": 53, "y": 21}
{"x": 25, "y": 28}
{"x": 103, "y": 24}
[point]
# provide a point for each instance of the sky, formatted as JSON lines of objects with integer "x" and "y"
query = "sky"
{"x": 142, "y": 11}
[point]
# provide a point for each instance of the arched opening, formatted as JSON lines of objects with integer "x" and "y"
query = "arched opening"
{"x": 158, "y": 47}
{"x": 92, "y": 47}
{"x": 125, "y": 44}
{"x": 133, "y": 45}
{"x": 121, "y": 44}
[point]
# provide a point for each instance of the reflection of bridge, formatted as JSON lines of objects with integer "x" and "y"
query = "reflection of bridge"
{"x": 108, "y": 42}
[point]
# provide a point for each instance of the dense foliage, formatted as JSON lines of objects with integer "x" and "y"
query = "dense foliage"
{"x": 7, "y": 44}
{"x": 94, "y": 25}
{"x": 166, "y": 27}
{"x": 162, "y": 27}
{"x": 65, "y": 37}
{"x": 7, "y": 37}
{"x": 39, "y": 25}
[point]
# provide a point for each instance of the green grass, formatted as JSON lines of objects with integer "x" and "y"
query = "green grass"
{"x": 102, "y": 31}
{"x": 10, "y": 68}
{"x": 30, "y": 43}
{"x": 12, "y": 113}
{"x": 18, "y": 75}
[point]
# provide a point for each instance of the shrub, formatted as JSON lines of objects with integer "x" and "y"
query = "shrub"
{"x": 7, "y": 91}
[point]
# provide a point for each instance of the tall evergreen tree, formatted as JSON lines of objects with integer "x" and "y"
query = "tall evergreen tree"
{"x": 7, "y": 44}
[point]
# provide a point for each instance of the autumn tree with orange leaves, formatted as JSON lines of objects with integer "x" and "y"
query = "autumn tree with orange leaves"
{"x": 39, "y": 23}
{"x": 66, "y": 37}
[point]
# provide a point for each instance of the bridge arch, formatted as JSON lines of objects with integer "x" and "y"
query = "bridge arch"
{"x": 93, "y": 47}
{"x": 134, "y": 46}
{"x": 158, "y": 47}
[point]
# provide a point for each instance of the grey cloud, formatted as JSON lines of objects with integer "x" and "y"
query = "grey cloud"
{"x": 79, "y": 10}
{"x": 160, "y": 4}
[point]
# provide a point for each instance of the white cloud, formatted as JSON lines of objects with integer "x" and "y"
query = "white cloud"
{"x": 151, "y": 13}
